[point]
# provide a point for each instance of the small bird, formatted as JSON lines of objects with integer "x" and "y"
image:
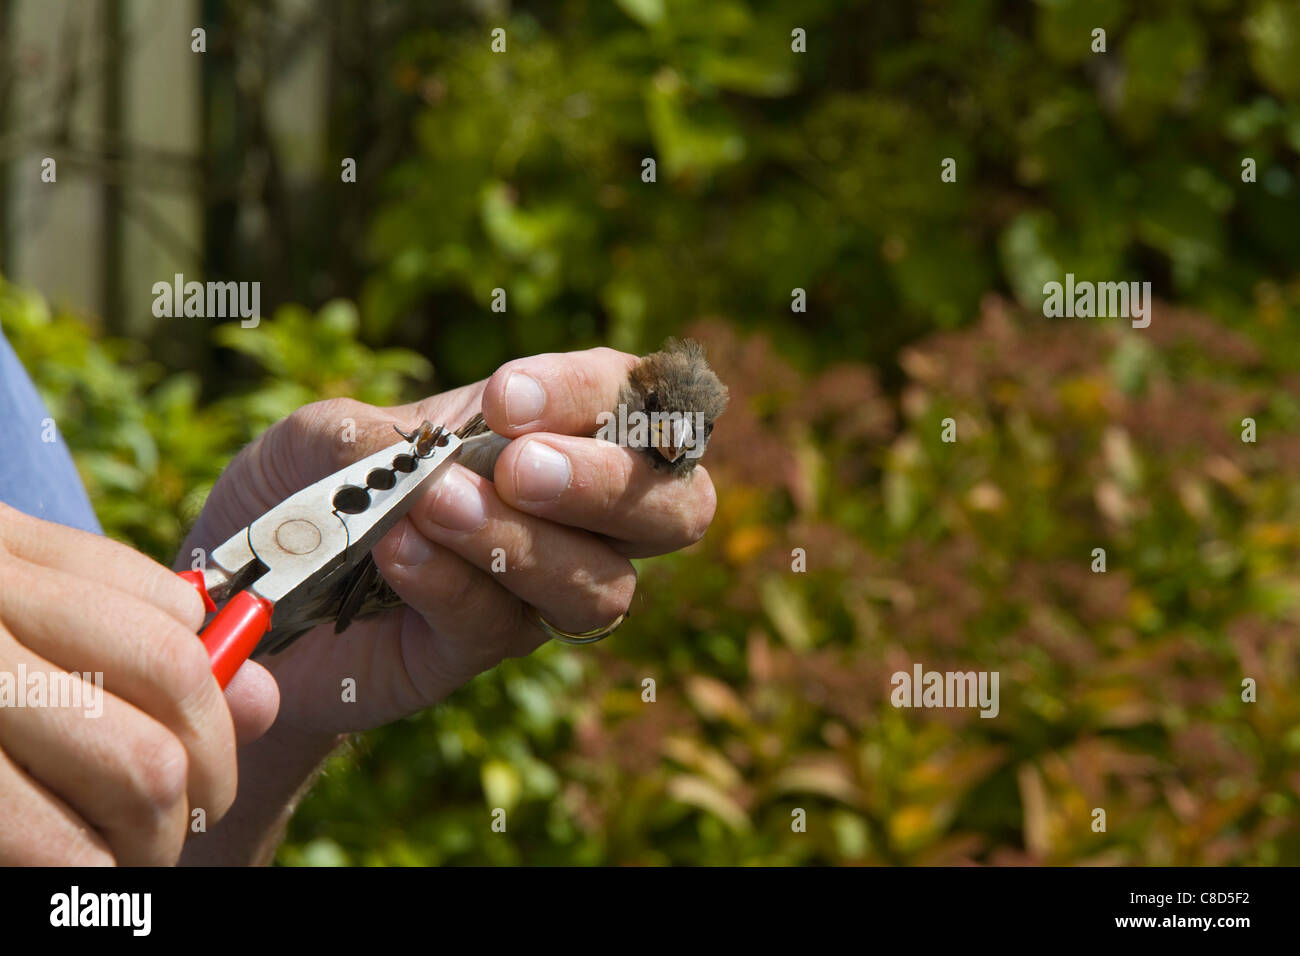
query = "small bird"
{"x": 677, "y": 384}
{"x": 673, "y": 391}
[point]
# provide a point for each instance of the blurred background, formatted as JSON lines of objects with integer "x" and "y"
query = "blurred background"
{"x": 776, "y": 171}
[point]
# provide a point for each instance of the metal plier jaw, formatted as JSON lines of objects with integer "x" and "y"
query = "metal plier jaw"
{"x": 281, "y": 574}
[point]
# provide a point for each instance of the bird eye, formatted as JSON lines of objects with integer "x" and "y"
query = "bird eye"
{"x": 652, "y": 401}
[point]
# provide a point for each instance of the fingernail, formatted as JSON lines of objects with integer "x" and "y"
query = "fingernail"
{"x": 541, "y": 472}
{"x": 413, "y": 549}
{"x": 459, "y": 506}
{"x": 525, "y": 399}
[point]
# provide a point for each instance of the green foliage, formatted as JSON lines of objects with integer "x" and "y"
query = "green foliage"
{"x": 147, "y": 444}
{"x": 1120, "y": 690}
{"x": 821, "y": 170}
{"x": 778, "y": 170}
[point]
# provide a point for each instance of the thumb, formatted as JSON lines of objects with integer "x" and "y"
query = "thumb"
{"x": 323, "y": 437}
{"x": 309, "y": 444}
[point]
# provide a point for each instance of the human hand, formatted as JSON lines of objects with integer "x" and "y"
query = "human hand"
{"x": 114, "y": 780}
{"x": 568, "y": 511}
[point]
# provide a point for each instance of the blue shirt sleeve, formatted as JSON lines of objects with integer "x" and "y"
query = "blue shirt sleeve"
{"x": 36, "y": 476}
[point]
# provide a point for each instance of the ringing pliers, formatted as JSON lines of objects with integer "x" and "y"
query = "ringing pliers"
{"x": 293, "y": 567}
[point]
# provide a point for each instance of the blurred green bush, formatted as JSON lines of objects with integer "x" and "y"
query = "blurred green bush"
{"x": 1120, "y": 690}
{"x": 776, "y": 170}
{"x": 148, "y": 445}
{"x": 779, "y": 170}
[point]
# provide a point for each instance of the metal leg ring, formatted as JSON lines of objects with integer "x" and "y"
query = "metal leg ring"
{"x": 568, "y": 637}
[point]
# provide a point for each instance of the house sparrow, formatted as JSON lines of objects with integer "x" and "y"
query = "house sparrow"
{"x": 672, "y": 399}
{"x": 677, "y": 384}
{"x": 674, "y": 390}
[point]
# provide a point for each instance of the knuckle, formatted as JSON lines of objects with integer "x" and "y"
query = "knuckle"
{"x": 613, "y": 474}
{"x": 169, "y": 591}
{"x": 582, "y": 380}
{"x": 191, "y": 609}
{"x": 327, "y": 414}
{"x": 304, "y": 418}
{"x": 160, "y": 774}
{"x": 458, "y": 586}
{"x": 326, "y": 417}
{"x": 180, "y": 665}
{"x": 329, "y": 410}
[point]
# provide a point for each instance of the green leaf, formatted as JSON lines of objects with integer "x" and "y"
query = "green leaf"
{"x": 1273, "y": 34}
{"x": 648, "y": 13}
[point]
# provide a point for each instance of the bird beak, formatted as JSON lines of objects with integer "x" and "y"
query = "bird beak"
{"x": 674, "y": 444}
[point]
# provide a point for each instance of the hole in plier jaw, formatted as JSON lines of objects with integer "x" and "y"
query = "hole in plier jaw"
{"x": 351, "y": 499}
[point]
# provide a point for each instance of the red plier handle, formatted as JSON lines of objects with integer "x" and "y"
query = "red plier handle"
{"x": 231, "y": 636}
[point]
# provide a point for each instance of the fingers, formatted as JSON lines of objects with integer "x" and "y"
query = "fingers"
{"x": 559, "y": 392}
{"x": 476, "y": 622}
{"x": 309, "y": 444}
{"x": 163, "y": 671}
{"x": 575, "y": 580}
{"x": 254, "y": 700}
{"x": 611, "y": 490}
{"x": 48, "y": 832}
{"x": 128, "y": 784}
{"x": 580, "y": 482}
{"x": 88, "y": 556}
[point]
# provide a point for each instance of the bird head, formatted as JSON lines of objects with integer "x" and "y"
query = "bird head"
{"x": 682, "y": 397}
